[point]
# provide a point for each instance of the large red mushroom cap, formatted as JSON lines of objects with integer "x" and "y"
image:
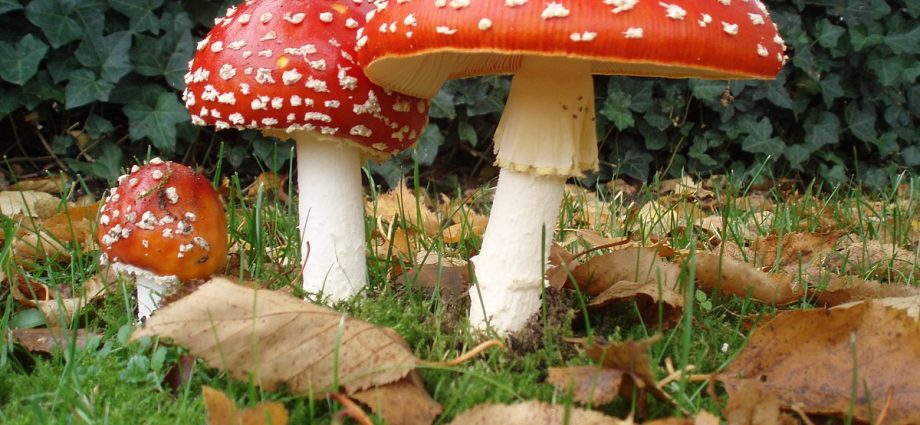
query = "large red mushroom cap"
{"x": 289, "y": 65}
{"x": 413, "y": 47}
{"x": 164, "y": 218}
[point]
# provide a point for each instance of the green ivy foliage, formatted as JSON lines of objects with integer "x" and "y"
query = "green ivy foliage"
{"x": 104, "y": 77}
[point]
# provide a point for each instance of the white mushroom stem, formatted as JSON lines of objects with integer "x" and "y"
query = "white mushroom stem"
{"x": 150, "y": 288}
{"x": 510, "y": 265}
{"x": 331, "y": 213}
{"x": 546, "y": 134}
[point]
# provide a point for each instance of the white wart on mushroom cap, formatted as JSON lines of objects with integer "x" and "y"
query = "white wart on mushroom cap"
{"x": 265, "y": 65}
{"x": 415, "y": 46}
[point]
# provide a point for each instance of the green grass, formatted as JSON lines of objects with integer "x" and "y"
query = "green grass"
{"x": 113, "y": 381}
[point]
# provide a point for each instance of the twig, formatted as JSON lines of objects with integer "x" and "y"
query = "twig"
{"x": 349, "y": 410}
{"x": 888, "y": 399}
{"x": 477, "y": 350}
{"x": 797, "y": 408}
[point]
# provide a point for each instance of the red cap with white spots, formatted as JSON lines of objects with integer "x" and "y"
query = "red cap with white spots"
{"x": 166, "y": 219}
{"x": 289, "y": 65}
{"x": 414, "y": 46}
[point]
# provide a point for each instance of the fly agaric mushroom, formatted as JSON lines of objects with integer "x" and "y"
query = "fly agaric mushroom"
{"x": 547, "y": 131}
{"x": 288, "y": 67}
{"x": 164, "y": 224}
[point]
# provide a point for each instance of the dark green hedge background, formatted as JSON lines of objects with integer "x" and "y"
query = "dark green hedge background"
{"x": 89, "y": 85}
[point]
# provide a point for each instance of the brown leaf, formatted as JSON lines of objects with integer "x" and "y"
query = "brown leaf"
{"x": 561, "y": 263}
{"x": 28, "y": 203}
{"x": 723, "y": 274}
{"x": 702, "y": 418}
{"x": 594, "y": 385}
{"x": 472, "y": 225}
{"x": 845, "y": 289}
{"x": 794, "y": 248}
{"x": 40, "y": 240}
{"x": 532, "y": 413}
{"x": 49, "y": 340}
{"x": 404, "y": 402}
{"x": 807, "y": 358}
{"x": 649, "y": 296}
{"x": 631, "y": 357}
{"x": 401, "y": 205}
{"x": 885, "y": 261}
{"x": 751, "y": 405}
{"x": 450, "y": 277}
{"x": 60, "y": 311}
{"x": 277, "y": 339}
{"x": 52, "y": 185}
{"x": 223, "y": 411}
{"x": 634, "y": 264}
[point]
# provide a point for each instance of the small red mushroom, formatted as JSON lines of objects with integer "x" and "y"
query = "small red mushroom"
{"x": 164, "y": 224}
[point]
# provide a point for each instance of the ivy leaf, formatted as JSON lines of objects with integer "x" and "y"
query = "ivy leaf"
{"x": 167, "y": 55}
{"x": 107, "y": 161}
{"x": 707, "y": 90}
{"x": 797, "y": 155}
{"x": 55, "y": 19}
{"x": 140, "y": 12}
{"x": 155, "y": 115}
{"x": 9, "y": 5}
{"x": 759, "y": 140}
{"x": 428, "y": 144}
{"x": 442, "y": 105}
{"x": 84, "y": 88}
{"x": 107, "y": 54}
{"x": 831, "y": 89}
{"x": 907, "y": 42}
{"x": 8, "y": 103}
{"x": 616, "y": 109}
{"x": 861, "y": 121}
{"x": 911, "y": 156}
{"x": 828, "y": 34}
{"x": 19, "y": 62}
{"x": 634, "y": 163}
{"x": 821, "y": 129}
{"x": 775, "y": 91}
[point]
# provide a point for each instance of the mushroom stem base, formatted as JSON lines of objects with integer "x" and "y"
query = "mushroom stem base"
{"x": 331, "y": 209}
{"x": 150, "y": 288}
{"x": 511, "y": 264}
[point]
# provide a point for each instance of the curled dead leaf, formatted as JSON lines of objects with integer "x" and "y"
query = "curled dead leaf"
{"x": 224, "y": 411}
{"x": 812, "y": 357}
{"x": 532, "y": 413}
{"x": 652, "y": 298}
{"x": 594, "y": 385}
{"x": 28, "y": 203}
{"x": 636, "y": 264}
{"x": 751, "y": 405}
{"x": 49, "y": 340}
{"x": 721, "y": 273}
{"x": 404, "y": 402}
{"x": 276, "y": 339}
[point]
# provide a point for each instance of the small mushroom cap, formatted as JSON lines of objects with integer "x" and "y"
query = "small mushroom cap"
{"x": 414, "y": 46}
{"x": 165, "y": 218}
{"x": 289, "y": 65}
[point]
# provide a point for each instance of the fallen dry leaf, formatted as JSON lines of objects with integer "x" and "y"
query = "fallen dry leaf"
{"x": 223, "y": 411}
{"x": 53, "y": 185}
{"x": 277, "y": 339}
{"x": 632, "y": 358}
{"x": 846, "y": 289}
{"x": 473, "y": 224}
{"x": 636, "y": 264}
{"x": 49, "y": 340}
{"x": 723, "y": 274}
{"x": 807, "y": 358}
{"x": 450, "y": 276}
{"x": 793, "y": 248}
{"x": 883, "y": 261}
{"x": 532, "y": 413}
{"x": 751, "y": 405}
{"x": 650, "y": 296}
{"x": 28, "y": 203}
{"x": 594, "y": 385}
{"x": 401, "y": 205}
{"x": 404, "y": 402}
{"x": 55, "y": 236}
{"x": 61, "y": 311}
